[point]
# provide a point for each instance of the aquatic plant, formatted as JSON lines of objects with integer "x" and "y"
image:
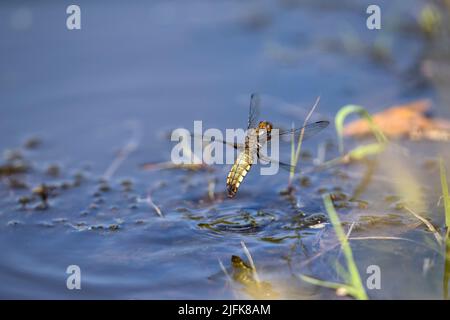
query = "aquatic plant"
{"x": 430, "y": 20}
{"x": 445, "y": 195}
{"x": 353, "y": 285}
{"x": 446, "y": 199}
{"x": 339, "y": 123}
{"x": 359, "y": 152}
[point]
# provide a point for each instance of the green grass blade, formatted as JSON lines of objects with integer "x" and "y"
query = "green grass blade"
{"x": 349, "y": 109}
{"x": 292, "y": 171}
{"x": 354, "y": 277}
{"x": 446, "y": 197}
{"x": 362, "y": 152}
{"x": 351, "y": 276}
{"x": 445, "y": 194}
{"x": 321, "y": 283}
{"x": 296, "y": 155}
{"x": 446, "y": 269}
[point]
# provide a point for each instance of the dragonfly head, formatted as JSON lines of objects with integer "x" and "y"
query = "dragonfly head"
{"x": 265, "y": 126}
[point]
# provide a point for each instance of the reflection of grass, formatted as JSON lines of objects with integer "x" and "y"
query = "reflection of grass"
{"x": 247, "y": 277}
{"x": 353, "y": 285}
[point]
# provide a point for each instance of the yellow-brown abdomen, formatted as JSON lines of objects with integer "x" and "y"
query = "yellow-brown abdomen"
{"x": 238, "y": 172}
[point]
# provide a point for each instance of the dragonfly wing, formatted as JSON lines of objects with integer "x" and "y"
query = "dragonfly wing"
{"x": 309, "y": 130}
{"x": 207, "y": 139}
{"x": 253, "y": 113}
{"x": 282, "y": 165}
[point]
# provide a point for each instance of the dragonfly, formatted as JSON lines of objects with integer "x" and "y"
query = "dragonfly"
{"x": 258, "y": 134}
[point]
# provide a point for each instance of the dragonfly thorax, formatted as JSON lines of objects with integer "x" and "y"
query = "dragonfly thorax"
{"x": 265, "y": 125}
{"x": 263, "y": 131}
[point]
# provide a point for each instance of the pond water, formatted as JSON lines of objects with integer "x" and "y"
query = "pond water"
{"x": 70, "y": 100}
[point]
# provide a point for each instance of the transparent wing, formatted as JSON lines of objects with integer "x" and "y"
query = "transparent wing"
{"x": 309, "y": 130}
{"x": 208, "y": 140}
{"x": 253, "y": 113}
{"x": 266, "y": 160}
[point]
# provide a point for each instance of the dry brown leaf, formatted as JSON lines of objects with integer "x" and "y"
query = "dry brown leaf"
{"x": 407, "y": 120}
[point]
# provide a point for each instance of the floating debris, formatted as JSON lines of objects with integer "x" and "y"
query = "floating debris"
{"x": 93, "y": 206}
{"x": 12, "y": 155}
{"x": 78, "y": 178}
{"x": 32, "y": 143}
{"x": 127, "y": 185}
{"x": 24, "y": 201}
{"x": 104, "y": 187}
{"x": 43, "y": 192}
{"x": 65, "y": 185}
{"x": 14, "y": 223}
{"x": 150, "y": 202}
{"x": 15, "y": 183}
{"x": 53, "y": 170}
{"x": 17, "y": 167}
{"x": 113, "y": 227}
{"x": 46, "y": 224}
{"x": 305, "y": 181}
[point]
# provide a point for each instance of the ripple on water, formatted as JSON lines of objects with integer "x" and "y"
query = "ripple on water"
{"x": 236, "y": 221}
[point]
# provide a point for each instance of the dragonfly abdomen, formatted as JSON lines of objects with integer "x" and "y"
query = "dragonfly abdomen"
{"x": 238, "y": 172}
